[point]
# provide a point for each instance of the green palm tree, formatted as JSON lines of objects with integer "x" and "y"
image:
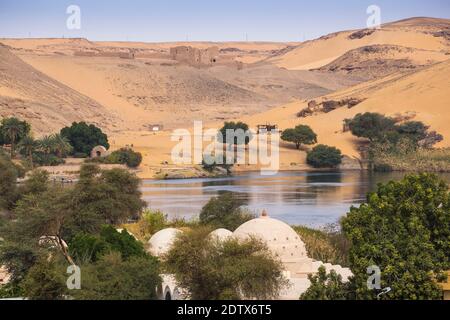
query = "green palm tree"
{"x": 61, "y": 145}
{"x": 46, "y": 144}
{"x": 13, "y": 127}
{"x": 27, "y": 145}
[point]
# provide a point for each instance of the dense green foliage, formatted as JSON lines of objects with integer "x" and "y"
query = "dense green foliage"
{"x": 84, "y": 137}
{"x": 47, "y": 215}
{"x": 110, "y": 196}
{"x": 225, "y": 211}
{"x": 110, "y": 276}
{"x": 114, "y": 278}
{"x": 406, "y": 146}
{"x": 301, "y": 134}
{"x": 12, "y": 131}
{"x": 323, "y": 156}
{"x": 214, "y": 270}
{"x": 404, "y": 229}
{"x": 235, "y": 128}
{"x": 46, "y": 280}
{"x": 371, "y": 125}
{"x": 125, "y": 156}
{"x": 89, "y": 247}
{"x": 8, "y": 178}
{"x": 326, "y": 287}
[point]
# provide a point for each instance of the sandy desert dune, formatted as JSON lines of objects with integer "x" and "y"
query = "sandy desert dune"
{"x": 403, "y": 68}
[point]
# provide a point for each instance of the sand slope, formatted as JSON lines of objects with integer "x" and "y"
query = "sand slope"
{"x": 416, "y": 33}
{"x": 423, "y": 92}
{"x": 39, "y": 99}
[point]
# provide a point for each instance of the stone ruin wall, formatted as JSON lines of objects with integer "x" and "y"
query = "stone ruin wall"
{"x": 202, "y": 57}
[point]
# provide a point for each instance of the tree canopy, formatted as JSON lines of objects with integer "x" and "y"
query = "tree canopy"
{"x": 299, "y": 135}
{"x": 371, "y": 125}
{"x": 326, "y": 286}
{"x": 84, "y": 137}
{"x": 404, "y": 229}
{"x": 225, "y": 211}
{"x": 234, "y": 128}
{"x": 48, "y": 216}
{"x": 214, "y": 270}
{"x": 12, "y": 131}
{"x": 323, "y": 156}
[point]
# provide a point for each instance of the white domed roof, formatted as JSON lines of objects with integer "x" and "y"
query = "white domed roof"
{"x": 161, "y": 241}
{"x": 221, "y": 234}
{"x": 281, "y": 239}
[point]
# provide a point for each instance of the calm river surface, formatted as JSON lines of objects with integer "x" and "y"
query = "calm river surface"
{"x": 307, "y": 198}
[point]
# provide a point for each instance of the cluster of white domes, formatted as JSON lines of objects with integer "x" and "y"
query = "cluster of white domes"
{"x": 281, "y": 240}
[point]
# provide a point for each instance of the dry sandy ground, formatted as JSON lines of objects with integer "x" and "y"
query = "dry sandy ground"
{"x": 424, "y": 93}
{"x": 406, "y": 62}
{"x": 412, "y": 33}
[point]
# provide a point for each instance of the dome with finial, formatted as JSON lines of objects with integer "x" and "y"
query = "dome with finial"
{"x": 281, "y": 239}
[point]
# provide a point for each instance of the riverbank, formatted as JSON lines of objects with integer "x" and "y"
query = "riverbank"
{"x": 313, "y": 199}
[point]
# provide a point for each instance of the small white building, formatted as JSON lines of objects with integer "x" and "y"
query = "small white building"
{"x": 98, "y": 152}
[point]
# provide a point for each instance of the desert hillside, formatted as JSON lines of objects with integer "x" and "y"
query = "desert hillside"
{"x": 419, "y": 95}
{"x": 400, "y": 70}
{"x": 144, "y": 85}
{"x": 45, "y": 102}
{"x": 417, "y": 34}
{"x": 377, "y": 61}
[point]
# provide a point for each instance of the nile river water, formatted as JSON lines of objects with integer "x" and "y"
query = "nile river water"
{"x": 306, "y": 198}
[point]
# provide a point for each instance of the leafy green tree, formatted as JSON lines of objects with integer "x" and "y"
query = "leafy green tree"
{"x": 47, "y": 214}
{"x": 18, "y": 258}
{"x": 415, "y": 130}
{"x": 122, "y": 156}
{"x": 113, "y": 278}
{"x": 61, "y": 145}
{"x": 12, "y": 130}
{"x": 27, "y": 146}
{"x": 46, "y": 280}
{"x": 372, "y": 126}
{"x": 301, "y": 134}
{"x": 83, "y": 137}
{"x": 122, "y": 242}
{"x": 326, "y": 287}
{"x": 323, "y": 156}
{"x": 225, "y": 211}
{"x": 105, "y": 197}
{"x": 235, "y": 127}
{"x": 404, "y": 229}
{"x": 214, "y": 270}
{"x": 8, "y": 183}
{"x": 37, "y": 183}
{"x": 46, "y": 144}
{"x": 153, "y": 221}
{"x": 88, "y": 247}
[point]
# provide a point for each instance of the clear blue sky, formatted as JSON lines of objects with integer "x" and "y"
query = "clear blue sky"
{"x": 225, "y": 20}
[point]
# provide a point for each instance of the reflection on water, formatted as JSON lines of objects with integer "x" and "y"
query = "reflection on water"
{"x": 308, "y": 198}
